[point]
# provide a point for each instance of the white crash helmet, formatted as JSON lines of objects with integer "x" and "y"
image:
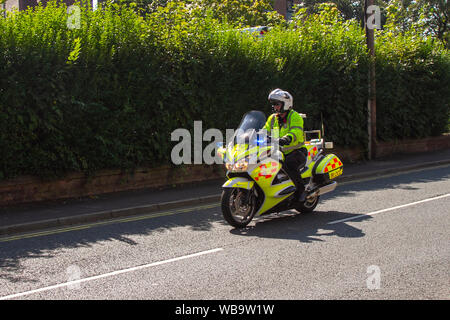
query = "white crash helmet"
{"x": 282, "y": 96}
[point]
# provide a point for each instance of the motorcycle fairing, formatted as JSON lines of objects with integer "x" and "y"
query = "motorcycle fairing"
{"x": 264, "y": 174}
{"x": 239, "y": 182}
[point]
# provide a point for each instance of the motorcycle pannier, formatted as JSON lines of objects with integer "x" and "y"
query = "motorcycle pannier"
{"x": 329, "y": 168}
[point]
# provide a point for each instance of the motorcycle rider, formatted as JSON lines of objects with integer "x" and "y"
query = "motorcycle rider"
{"x": 289, "y": 124}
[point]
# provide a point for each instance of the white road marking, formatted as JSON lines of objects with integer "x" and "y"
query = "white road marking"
{"x": 71, "y": 283}
{"x": 390, "y": 209}
{"x": 107, "y": 222}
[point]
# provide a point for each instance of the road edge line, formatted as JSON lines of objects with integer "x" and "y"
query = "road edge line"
{"x": 132, "y": 211}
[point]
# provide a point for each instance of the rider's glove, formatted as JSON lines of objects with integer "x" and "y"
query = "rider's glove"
{"x": 285, "y": 140}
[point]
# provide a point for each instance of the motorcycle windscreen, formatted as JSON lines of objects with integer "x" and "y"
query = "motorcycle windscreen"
{"x": 249, "y": 128}
{"x": 252, "y": 120}
{"x": 247, "y": 136}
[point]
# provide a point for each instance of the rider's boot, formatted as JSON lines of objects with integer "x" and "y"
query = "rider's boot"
{"x": 302, "y": 193}
{"x": 295, "y": 176}
{"x": 302, "y": 197}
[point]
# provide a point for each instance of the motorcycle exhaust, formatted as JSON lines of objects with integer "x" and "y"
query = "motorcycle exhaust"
{"x": 325, "y": 189}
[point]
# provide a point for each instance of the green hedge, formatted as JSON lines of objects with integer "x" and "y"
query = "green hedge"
{"x": 109, "y": 94}
{"x": 413, "y": 87}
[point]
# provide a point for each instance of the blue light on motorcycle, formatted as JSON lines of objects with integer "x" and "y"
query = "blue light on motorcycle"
{"x": 259, "y": 141}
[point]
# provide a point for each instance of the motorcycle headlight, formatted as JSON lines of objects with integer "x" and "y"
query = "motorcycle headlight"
{"x": 241, "y": 165}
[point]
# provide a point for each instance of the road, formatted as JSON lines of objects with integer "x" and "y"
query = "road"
{"x": 385, "y": 238}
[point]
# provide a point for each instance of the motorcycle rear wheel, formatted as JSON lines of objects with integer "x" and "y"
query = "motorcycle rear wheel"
{"x": 234, "y": 210}
{"x": 308, "y": 205}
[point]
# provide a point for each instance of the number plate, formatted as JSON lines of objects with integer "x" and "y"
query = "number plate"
{"x": 335, "y": 173}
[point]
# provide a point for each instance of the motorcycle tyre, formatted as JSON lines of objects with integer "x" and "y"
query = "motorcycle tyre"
{"x": 303, "y": 207}
{"x": 226, "y": 211}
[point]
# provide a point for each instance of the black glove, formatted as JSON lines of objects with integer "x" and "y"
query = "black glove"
{"x": 285, "y": 140}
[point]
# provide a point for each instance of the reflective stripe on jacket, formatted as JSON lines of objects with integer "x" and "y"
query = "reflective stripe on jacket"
{"x": 293, "y": 128}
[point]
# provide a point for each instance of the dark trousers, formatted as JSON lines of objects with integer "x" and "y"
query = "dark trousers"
{"x": 293, "y": 162}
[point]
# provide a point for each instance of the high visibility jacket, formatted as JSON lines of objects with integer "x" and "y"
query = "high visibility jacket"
{"x": 293, "y": 127}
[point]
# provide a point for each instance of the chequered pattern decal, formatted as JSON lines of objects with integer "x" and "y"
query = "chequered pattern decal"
{"x": 333, "y": 164}
{"x": 312, "y": 152}
{"x": 266, "y": 170}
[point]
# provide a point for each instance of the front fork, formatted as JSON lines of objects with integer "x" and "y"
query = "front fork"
{"x": 249, "y": 187}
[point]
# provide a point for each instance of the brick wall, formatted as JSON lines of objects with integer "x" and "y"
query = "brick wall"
{"x": 386, "y": 149}
{"x": 280, "y": 6}
{"x": 283, "y": 6}
{"x": 31, "y": 189}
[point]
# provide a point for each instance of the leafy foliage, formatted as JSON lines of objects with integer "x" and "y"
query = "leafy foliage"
{"x": 108, "y": 95}
{"x": 429, "y": 17}
{"x": 243, "y": 12}
{"x": 236, "y": 12}
{"x": 413, "y": 81}
{"x": 348, "y": 9}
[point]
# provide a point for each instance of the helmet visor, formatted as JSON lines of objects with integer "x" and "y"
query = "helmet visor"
{"x": 275, "y": 102}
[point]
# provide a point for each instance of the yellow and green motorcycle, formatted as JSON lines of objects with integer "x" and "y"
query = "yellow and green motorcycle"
{"x": 257, "y": 183}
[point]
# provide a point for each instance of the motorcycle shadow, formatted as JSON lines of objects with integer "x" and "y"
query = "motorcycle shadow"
{"x": 305, "y": 228}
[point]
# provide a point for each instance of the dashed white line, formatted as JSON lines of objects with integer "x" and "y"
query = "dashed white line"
{"x": 71, "y": 283}
{"x": 390, "y": 209}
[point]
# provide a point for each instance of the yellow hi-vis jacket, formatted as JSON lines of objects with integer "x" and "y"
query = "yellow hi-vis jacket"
{"x": 293, "y": 127}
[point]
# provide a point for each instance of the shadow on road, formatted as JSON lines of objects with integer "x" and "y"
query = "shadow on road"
{"x": 305, "y": 228}
{"x": 14, "y": 254}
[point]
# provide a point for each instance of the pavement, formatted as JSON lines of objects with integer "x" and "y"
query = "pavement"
{"x": 52, "y": 214}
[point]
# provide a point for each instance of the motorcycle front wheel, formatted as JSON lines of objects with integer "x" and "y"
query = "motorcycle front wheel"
{"x": 238, "y": 206}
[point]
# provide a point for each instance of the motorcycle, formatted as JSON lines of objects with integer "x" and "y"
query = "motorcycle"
{"x": 257, "y": 182}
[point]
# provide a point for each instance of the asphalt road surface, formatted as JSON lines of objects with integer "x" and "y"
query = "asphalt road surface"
{"x": 385, "y": 238}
